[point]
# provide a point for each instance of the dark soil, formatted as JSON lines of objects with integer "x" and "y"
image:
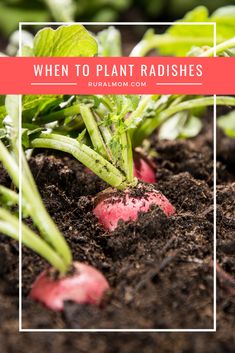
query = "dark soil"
{"x": 159, "y": 268}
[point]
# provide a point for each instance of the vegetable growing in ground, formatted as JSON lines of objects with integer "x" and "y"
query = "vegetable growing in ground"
{"x": 84, "y": 285}
{"x": 144, "y": 168}
{"x": 66, "y": 280}
{"x": 102, "y": 131}
{"x": 113, "y": 162}
{"x": 113, "y": 206}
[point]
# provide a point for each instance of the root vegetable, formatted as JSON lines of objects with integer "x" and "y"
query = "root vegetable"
{"x": 84, "y": 285}
{"x": 114, "y": 206}
{"x": 144, "y": 168}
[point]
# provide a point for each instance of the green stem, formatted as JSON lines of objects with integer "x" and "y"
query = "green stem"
{"x": 38, "y": 245}
{"x": 93, "y": 130}
{"x": 148, "y": 127}
{"x": 34, "y": 203}
{"x": 127, "y": 156}
{"x": 43, "y": 221}
{"x": 8, "y": 229}
{"x": 136, "y": 114}
{"x": 9, "y": 225}
{"x": 9, "y": 164}
{"x": 9, "y": 197}
{"x": 107, "y": 137}
{"x": 88, "y": 157}
{"x": 165, "y": 40}
{"x": 105, "y": 130}
{"x": 61, "y": 11}
{"x": 59, "y": 115}
{"x": 28, "y": 175}
{"x": 228, "y": 44}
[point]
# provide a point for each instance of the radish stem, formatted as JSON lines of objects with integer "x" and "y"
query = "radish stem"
{"x": 9, "y": 225}
{"x": 228, "y": 44}
{"x": 34, "y": 205}
{"x": 148, "y": 126}
{"x": 59, "y": 115}
{"x": 93, "y": 130}
{"x": 91, "y": 159}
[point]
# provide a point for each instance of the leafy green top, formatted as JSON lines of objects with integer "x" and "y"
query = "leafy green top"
{"x": 67, "y": 41}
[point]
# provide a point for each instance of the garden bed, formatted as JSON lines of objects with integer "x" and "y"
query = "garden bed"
{"x": 167, "y": 288}
{"x": 159, "y": 268}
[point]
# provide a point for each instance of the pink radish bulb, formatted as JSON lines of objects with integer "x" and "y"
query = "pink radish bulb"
{"x": 125, "y": 205}
{"x": 85, "y": 285}
{"x": 144, "y": 168}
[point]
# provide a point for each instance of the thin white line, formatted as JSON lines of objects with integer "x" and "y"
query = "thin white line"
{"x": 215, "y": 201}
{"x": 215, "y": 39}
{"x": 179, "y": 83}
{"x": 118, "y": 23}
{"x": 117, "y": 330}
{"x": 20, "y": 195}
{"x": 53, "y": 84}
{"x": 20, "y": 214}
{"x": 215, "y": 214}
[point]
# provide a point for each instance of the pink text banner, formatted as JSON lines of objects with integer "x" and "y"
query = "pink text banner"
{"x": 117, "y": 75}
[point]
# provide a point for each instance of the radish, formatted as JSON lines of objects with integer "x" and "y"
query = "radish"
{"x": 110, "y": 156}
{"x": 144, "y": 168}
{"x": 114, "y": 206}
{"x": 65, "y": 280}
{"x": 84, "y": 285}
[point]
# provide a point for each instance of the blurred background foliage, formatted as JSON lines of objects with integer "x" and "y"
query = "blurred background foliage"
{"x": 13, "y": 11}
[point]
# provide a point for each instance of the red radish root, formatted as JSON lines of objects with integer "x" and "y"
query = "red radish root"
{"x": 85, "y": 285}
{"x": 125, "y": 205}
{"x": 144, "y": 168}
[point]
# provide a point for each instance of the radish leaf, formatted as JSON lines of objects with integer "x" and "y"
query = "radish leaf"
{"x": 69, "y": 41}
{"x": 227, "y": 123}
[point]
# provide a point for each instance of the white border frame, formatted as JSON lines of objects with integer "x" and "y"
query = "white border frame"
{"x": 21, "y": 329}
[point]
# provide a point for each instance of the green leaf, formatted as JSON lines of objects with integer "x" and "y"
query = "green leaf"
{"x": 192, "y": 127}
{"x": 224, "y": 16}
{"x": 227, "y": 123}
{"x": 13, "y": 45}
{"x": 27, "y": 134}
{"x": 36, "y": 105}
{"x": 179, "y": 40}
{"x": 3, "y": 134}
{"x": 171, "y": 129}
{"x": 225, "y": 27}
{"x": 62, "y": 10}
{"x": 3, "y": 112}
{"x": 110, "y": 42}
{"x": 69, "y": 41}
{"x": 12, "y": 121}
{"x": 11, "y": 15}
{"x": 81, "y": 136}
{"x": 25, "y": 138}
{"x": 230, "y": 52}
{"x": 181, "y": 125}
{"x": 12, "y": 108}
{"x": 27, "y": 51}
